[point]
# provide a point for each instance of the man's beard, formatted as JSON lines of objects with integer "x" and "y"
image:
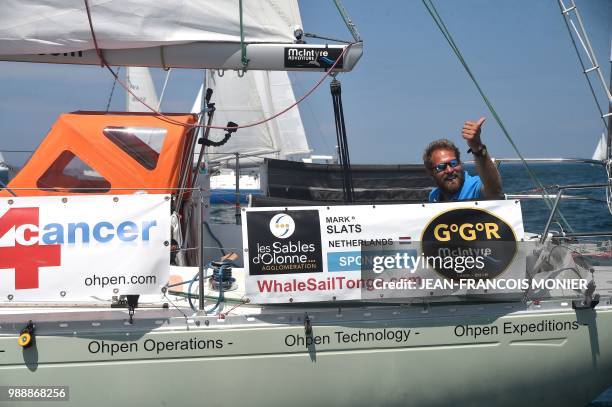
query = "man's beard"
{"x": 450, "y": 184}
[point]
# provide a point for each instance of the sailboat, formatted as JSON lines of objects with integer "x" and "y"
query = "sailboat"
{"x": 4, "y": 171}
{"x": 86, "y": 229}
{"x": 250, "y": 97}
{"x": 600, "y": 152}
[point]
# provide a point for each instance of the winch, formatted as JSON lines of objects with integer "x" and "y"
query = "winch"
{"x": 221, "y": 276}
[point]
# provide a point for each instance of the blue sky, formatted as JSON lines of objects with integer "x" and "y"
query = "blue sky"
{"x": 407, "y": 90}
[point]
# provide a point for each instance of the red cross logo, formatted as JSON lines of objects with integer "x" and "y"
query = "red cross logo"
{"x": 28, "y": 255}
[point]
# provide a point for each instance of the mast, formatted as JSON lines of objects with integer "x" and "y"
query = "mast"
{"x": 609, "y": 115}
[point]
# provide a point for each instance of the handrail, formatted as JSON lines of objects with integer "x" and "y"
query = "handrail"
{"x": 55, "y": 189}
{"x": 560, "y": 189}
{"x": 552, "y": 160}
{"x": 560, "y": 160}
{"x": 551, "y": 196}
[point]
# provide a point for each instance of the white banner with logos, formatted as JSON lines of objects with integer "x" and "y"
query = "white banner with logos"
{"x": 67, "y": 248}
{"x": 336, "y": 253}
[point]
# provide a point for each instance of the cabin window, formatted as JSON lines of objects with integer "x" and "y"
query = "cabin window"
{"x": 71, "y": 173}
{"x": 143, "y": 144}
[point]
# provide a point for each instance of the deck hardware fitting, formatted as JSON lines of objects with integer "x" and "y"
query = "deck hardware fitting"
{"x": 590, "y": 301}
{"x": 26, "y": 336}
{"x": 307, "y": 326}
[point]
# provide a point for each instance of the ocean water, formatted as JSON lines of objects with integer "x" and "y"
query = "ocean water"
{"x": 590, "y": 215}
{"x": 582, "y": 216}
{"x": 587, "y": 215}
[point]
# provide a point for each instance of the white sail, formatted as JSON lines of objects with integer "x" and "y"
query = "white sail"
{"x": 4, "y": 171}
{"x": 45, "y": 27}
{"x": 601, "y": 149}
{"x": 287, "y": 129}
{"x": 251, "y": 98}
{"x": 167, "y": 34}
{"x": 141, "y": 84}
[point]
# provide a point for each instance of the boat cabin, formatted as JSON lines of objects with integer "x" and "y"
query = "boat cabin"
{"x": 108, "y": 153}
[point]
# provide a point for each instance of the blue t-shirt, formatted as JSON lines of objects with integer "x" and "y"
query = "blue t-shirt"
{"x": 470, "y": 189}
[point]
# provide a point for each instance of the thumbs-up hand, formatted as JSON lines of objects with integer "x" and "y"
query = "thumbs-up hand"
{"x": 471, "y": 133}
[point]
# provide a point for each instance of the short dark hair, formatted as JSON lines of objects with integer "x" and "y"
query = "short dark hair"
{"x": 442, "y": 144}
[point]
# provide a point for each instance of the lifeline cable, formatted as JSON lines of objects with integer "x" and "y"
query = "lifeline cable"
{"x": 447, "y": 35}
{"x": 167, "y": 119}
{"x": 243, "y": 300}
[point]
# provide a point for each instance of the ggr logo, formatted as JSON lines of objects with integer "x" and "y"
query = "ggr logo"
{"x": 20, "y": 248}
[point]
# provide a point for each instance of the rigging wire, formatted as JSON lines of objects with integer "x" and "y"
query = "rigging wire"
{"x": 167, "y": 119}
{"x": 110, "y": 97}
{"x": 588, "y": 50}
{"x": 161, "y": 96}
{"x": 447, "y": 35}
{"x": 609, "y": 145}
{"x": 316, "y": 119}
{"x": 347, "y": 20}
{"x": 568, "y": 20}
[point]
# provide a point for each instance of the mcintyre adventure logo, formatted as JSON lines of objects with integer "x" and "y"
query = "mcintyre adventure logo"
{"x": 304, "y": 57}
{"x": 284, "y": 243}
{"x": 482, "y": 244}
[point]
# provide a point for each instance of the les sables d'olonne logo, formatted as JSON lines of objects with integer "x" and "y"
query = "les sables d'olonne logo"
{"x": 283, "y": 243}
{"x": 26, "y": 255}
{"x": 282, "y": 225}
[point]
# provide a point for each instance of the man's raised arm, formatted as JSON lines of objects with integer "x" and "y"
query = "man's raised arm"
{"x": 491, "y": 181}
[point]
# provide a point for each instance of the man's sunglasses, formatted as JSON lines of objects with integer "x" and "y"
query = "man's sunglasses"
{"x": 442, "y": 166}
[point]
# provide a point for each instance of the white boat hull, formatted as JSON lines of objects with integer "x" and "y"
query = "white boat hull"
{"x": 391, "y": 355}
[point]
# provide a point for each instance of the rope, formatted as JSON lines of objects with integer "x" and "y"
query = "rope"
{"x": 93, "y": 36}
{"x": 110, "y": 97}
{"x": 447, "y": 35}
{"x": 162, "y": 58}
{"x": 216, "y": 239}
{"x": 167, "y": 119}
{"x": 343, "y": 150}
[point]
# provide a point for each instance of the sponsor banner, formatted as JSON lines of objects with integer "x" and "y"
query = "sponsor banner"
{"x": 336, "y": 253}
{"x": 67, "y": 248}
{"x": 283, "y": 243}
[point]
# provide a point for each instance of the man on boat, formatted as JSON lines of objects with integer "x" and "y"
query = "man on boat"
{"x": 443, "y": 162}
